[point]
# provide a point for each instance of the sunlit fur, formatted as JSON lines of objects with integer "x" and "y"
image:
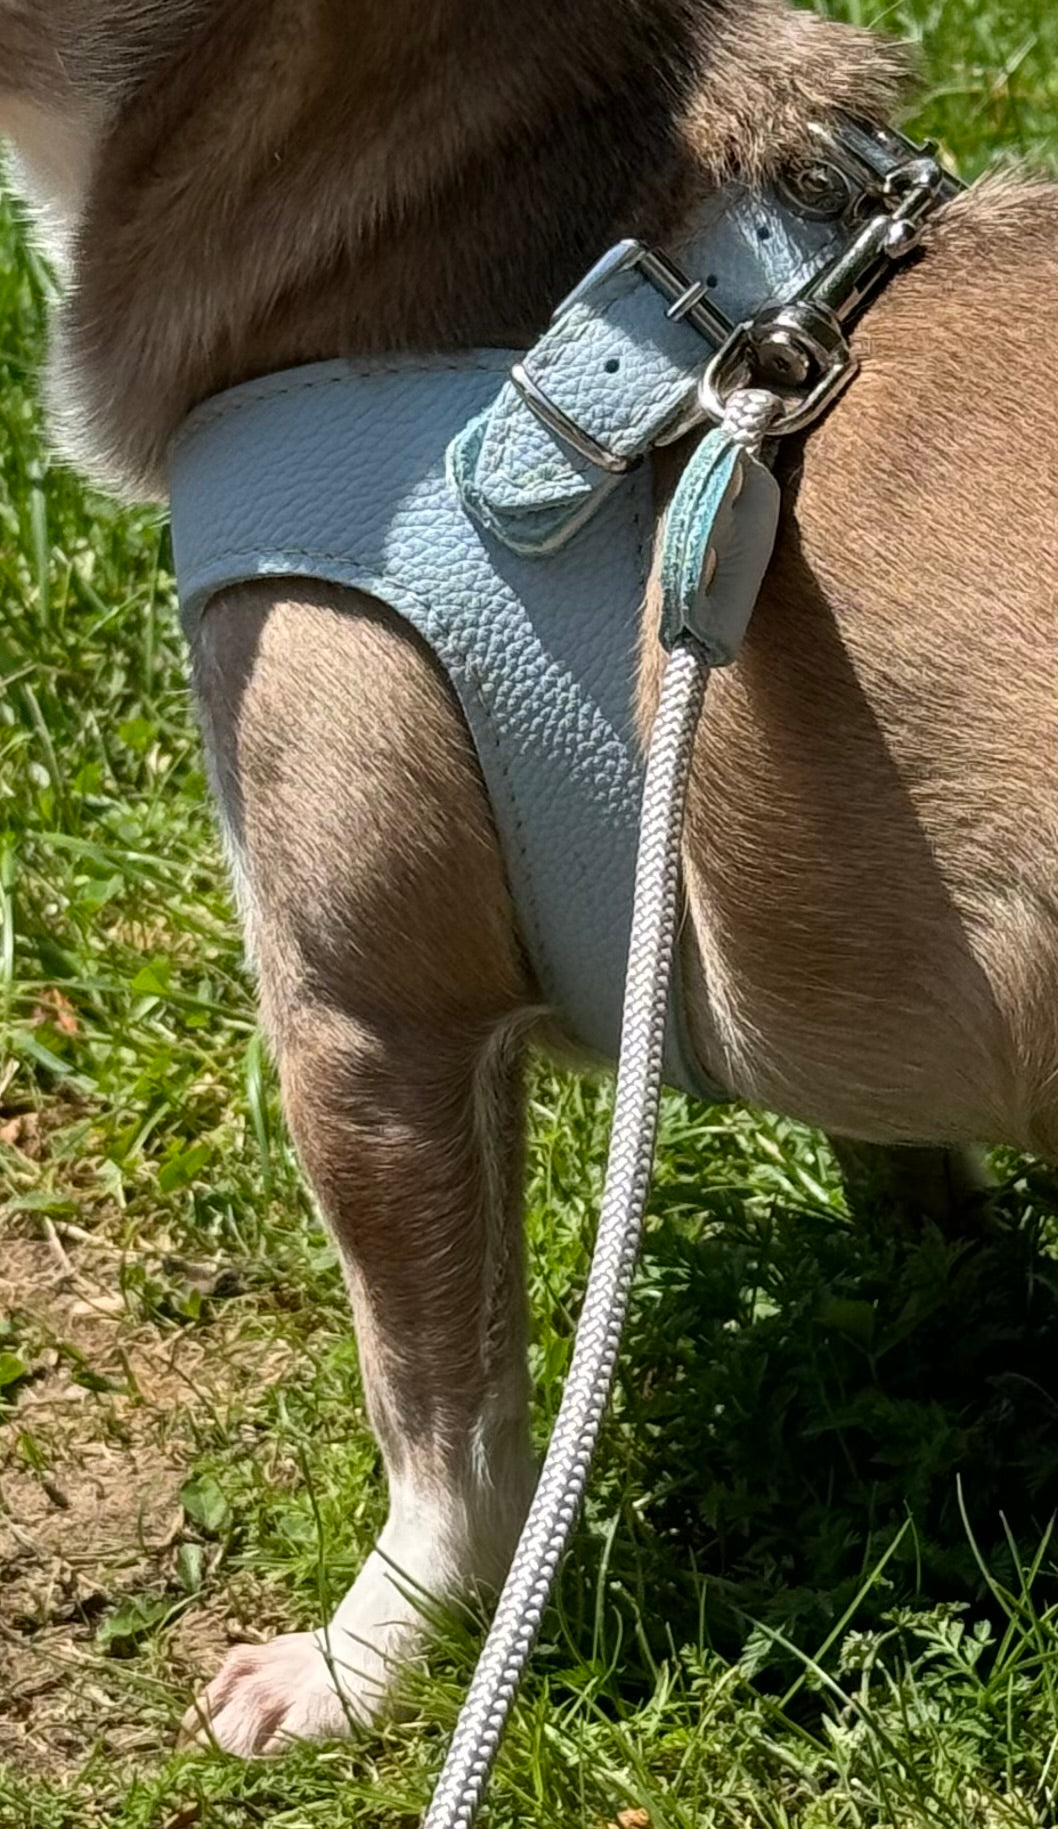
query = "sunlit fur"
{"x": 238, "y": 185}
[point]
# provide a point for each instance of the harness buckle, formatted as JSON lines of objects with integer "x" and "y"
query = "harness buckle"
{"x": 880, "y": 186}
{"x": 687, "y": 301}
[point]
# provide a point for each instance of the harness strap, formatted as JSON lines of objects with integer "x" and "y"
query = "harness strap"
{"x": 617, "y": 371}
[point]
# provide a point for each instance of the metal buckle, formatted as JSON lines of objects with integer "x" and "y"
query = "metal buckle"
{"x": 799, "y": 350}
{"x": 686, "y": 298}
{"x": 872, "y": 175}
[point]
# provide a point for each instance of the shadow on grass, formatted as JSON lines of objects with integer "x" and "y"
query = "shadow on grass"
{"x": 799, "y": 1389}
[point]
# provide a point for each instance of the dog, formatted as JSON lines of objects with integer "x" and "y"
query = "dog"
{"x": 232, "y": 187}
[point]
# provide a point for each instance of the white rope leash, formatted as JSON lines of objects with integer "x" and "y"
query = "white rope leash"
{"x": 564, "y": 1477}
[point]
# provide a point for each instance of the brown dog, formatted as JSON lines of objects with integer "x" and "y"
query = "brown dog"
{"x": 236, "y": 186}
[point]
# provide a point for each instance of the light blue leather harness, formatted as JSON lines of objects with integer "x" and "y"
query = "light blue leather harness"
{"x": 509, "y": 519}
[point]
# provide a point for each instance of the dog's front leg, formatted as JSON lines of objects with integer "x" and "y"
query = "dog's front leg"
{"x": 392, "y": 991}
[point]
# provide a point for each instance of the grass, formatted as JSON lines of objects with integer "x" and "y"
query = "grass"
{"x": 815, "y": 1584}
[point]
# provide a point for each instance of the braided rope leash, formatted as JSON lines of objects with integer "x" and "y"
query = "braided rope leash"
{"x": 703, "y": 614}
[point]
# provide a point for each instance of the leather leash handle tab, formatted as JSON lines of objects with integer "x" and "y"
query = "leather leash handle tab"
{"x": 717, "y": 543}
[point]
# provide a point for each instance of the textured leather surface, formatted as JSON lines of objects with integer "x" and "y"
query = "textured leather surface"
{"x": 338, "y": 472}
{"x": 719, "y": 536}
{"x": 626, "y": 372}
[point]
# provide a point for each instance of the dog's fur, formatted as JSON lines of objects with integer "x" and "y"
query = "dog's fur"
{"x": 232, "y": 186}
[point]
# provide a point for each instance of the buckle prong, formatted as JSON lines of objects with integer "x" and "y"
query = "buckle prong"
{"x": 680, "y": 307}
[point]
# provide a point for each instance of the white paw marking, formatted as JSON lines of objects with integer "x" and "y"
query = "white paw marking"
{"x": 312, "y": 1686}
{"x": 266, "y": 1698}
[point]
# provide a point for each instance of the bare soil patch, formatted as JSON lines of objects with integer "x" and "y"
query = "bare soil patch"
{"x": 96, "y": 1442}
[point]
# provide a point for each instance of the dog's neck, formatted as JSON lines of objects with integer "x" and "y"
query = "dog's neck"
{"x": 299, "y": 182}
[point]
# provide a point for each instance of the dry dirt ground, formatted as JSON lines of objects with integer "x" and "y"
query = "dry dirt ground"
{"x": 96, "y": 1443}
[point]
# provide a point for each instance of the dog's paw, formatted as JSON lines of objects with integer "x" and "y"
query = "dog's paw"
{"x": 266, "y": 1699}
{"x": 312, "y": 1686}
